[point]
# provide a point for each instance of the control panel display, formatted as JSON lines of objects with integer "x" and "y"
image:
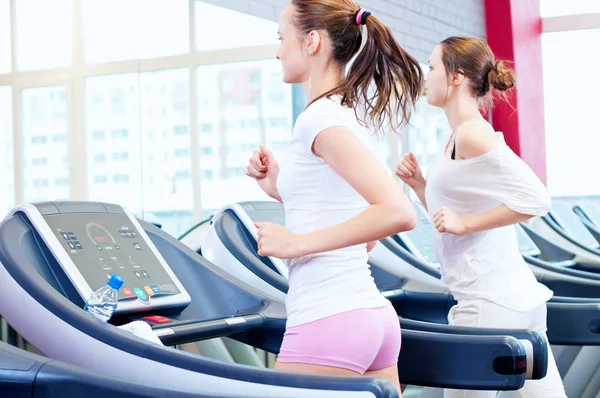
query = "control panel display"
{"x": 104, "y": 244}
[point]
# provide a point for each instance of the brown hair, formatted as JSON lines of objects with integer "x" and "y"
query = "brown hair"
{"x": 474, "y": 59}
{"x": 397, "y": 75}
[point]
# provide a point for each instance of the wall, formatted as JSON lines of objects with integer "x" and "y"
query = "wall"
{"x": 418, "y": 24}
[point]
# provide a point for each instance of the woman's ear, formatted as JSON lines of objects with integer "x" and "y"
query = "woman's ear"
{"x": 313, "y": 42}
{"x": 458, "y": 77}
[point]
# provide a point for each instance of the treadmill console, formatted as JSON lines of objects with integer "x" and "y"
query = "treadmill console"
{"x": 264, "y": 211}
{"x": 526, "y": 245}
{"x": 260, "y": 211}
{"x": 94, "y": 242}
{"x": 419, "y": 239}
{"x": 570, "y": 222}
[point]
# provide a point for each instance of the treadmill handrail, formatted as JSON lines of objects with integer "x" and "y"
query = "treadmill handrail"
{"x": 410, "y": 258}
{"x": 551, "y": 266}
{"x": 573, "y": 324}
{"x": 538, "y": 342}
{"x": 556, "y": 228}
{"x": 50, "y": 378}
{"x": 547, "y": 247}
{"x": 231, "y": 233}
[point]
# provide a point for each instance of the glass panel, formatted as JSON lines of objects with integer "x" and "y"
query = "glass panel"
{"x": 213, "y": 34}
{"x": 46, "y": 160}
{"x": 5, "y": 57}
{"x": 555, "y": 8}
{"x": 7, "y": 170}
{"x": 43, "y": 34}
{"x": 426, "y": 133}
{"x": 113, "y": 141}
{"x": 240, "y": 106}
{"x": 167, "y": 164}
{"x": 117, "y": 30}
{"x": 570, "y": 113}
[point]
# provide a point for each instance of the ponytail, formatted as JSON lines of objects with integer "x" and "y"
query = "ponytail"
{"x": 384, "y": 80}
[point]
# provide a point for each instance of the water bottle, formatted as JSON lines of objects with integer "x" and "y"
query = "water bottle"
{"x": 103, "y": 302}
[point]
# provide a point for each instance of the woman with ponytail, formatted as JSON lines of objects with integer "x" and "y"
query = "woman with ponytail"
{"x": 475, "y": 192}
{"x": 338, "y": 199}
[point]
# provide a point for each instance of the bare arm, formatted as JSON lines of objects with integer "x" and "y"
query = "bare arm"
{"x": 409, "y": 171}
{"x": 420, "y": 192}
{"x": 534, "y": 198}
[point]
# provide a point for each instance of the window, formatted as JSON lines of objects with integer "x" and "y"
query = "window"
{"x": 276, "y": 97}
{"x": 279, "y": 122}
{"x": 180, "y": 130}
{"x": 234, "y": 127}
{"x": 255, "y": 81}
{"x": 7, "y": 170}
{"x": 213, "y": 34}
{"x": 133, "y": 29}
{"x": 39, "y": 139}
{"x": 120, "y": 156}
{"x": 570, "y": 112}
{"x": 59, "y": 137}
{"x": 236, "y": 172}
{"x": 204, "y": 128}
{"x": 5, "y": 56}
{"x": 50, "y": 49}
{"x": 61, "y": 181}
{"x": 120, "y": 134}
{"x": 100, "y": 179}
{"x": 120, "y": 178}
{"x": 181, "y": 98}
{"x": 40, "y": 183}
{"x": 39, "y": 161}
{"x": 182, "y": 174}
{"x": 182, "y": 152}
{"x": 118, "y": 101}
{"x": 113, "y": 144}
{"x": 227, "y": 84}
{"x": 207, "y": 174}
{"x": 37, "y": 145}
{"x": 555, "y": 8}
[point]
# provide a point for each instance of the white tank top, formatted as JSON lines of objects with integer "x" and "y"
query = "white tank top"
{"x": 316, "y": 197}
{"x": 487, "y": 264}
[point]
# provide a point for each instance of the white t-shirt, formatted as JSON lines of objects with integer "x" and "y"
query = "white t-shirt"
{"x": 316, "y": 197}
{"x": 487, "y": 264}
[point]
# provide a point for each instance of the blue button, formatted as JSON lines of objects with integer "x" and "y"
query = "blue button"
{"x": 140, "y": 293}
{"x": 155, "y": 288}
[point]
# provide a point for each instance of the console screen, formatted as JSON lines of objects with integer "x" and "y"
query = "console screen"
{"x": 104, "y": 244}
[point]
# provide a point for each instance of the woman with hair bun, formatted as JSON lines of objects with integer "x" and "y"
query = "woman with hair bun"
{"x": 475, "y": 191}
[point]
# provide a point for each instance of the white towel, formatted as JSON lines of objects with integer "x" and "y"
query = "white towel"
{"x": 141, "y": 329}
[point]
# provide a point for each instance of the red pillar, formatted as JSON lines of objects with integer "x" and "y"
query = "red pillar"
{"x": 514, "y": 29}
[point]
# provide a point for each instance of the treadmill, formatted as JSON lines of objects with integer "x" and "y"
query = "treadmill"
{"x": 562, "y": 227}
{"x": 27, "y": 375}
{"x": 54, "y": 254}
{"x": 573, "y": 319}
{"x": 589, "y": 214}
{"x": 231, "y": 245}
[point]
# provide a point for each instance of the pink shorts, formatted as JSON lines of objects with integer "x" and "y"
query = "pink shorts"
{"x": 359, "y": 340}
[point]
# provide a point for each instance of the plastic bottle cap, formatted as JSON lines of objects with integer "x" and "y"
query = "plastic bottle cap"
{"x": 115, "y": 282}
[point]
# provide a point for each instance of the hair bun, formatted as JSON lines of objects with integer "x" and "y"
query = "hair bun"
{"x": 501, "y": 77}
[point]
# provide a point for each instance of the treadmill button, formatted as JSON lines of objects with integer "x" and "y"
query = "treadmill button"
{"x": 157, "y": 319}
{"x": 140, "y": 294}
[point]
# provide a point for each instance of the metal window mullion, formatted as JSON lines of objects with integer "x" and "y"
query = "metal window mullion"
{"x": 193, "y": 118}
{"x": 76, "y": 109}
